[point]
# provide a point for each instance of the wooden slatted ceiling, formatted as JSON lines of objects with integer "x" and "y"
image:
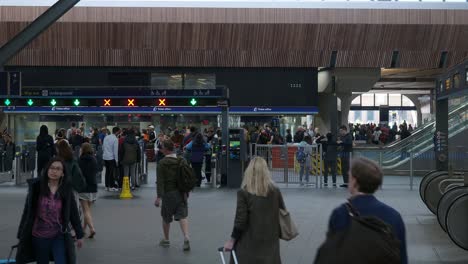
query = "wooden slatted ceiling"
{"x": 239, "y": 15}
{"x": 242, "y": 44}
{"x": 246, "y": 36}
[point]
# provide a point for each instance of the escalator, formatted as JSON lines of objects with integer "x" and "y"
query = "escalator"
{"x": 396, "y": 154}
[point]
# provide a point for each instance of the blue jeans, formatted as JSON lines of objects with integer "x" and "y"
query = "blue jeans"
{"x": 304, "y": 166}
{"x": 44, "y": 247}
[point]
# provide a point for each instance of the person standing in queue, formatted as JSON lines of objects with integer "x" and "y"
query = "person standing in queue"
{"x": 44, "y": 147}
{"x": 129, "y": 156}
{"x": 346, "y": 143}
{"x": 10, "y": 149}
{"x": 88, "y": 196}
{"x": 174, "y": 203}
{"x": 49, "y": 210}
{"x": 256, "y": 233}
{"x": 197, "y": 147}
{"x": 110, "y": 155}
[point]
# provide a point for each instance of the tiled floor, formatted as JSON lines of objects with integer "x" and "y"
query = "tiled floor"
{"x": 128, "y": 231}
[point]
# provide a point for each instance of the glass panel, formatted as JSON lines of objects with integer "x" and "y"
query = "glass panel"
{"x": 466, "y": 76}
{"x": 394, "y": 99}
{"x": 166, "y": 81}
{"x": 356, "y": 101}
{"x": 456, "y": 80}
{"x": 367, "y": 99}
{"x": 407, "y": 101}
{"x": 363, "y": 117}
{"x": 381, "y": 99}
{"x": 200, "y": 81}
{"x": 399, "y": 117}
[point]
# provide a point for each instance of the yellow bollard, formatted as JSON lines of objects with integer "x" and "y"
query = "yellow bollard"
{"x": 126, "y": 194}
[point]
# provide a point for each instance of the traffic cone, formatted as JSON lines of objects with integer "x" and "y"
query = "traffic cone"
{"x": 126, "y": 194}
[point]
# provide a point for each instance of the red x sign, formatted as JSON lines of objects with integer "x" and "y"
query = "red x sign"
{"x": 162, "y": 102}
{"x": 107, "y": 102}
{"x": 131, "y": 102}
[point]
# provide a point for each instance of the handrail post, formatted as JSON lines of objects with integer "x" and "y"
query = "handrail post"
{"x": 411, "y": 166}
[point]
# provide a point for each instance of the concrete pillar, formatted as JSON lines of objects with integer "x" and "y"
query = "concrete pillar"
{"x": 346, "y": 99}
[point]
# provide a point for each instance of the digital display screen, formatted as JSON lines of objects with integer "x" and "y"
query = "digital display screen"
{"x": 234, "y": 144}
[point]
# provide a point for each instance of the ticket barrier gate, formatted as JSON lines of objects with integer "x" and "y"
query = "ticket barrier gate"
{"x": 142, "y": 167}
{"x": 25, "y": 164}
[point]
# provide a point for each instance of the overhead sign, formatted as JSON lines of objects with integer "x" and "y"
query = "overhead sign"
{"x": 273, "y": 110}
{"x": 104, "y": 92}
{"x": 114, "y": 109}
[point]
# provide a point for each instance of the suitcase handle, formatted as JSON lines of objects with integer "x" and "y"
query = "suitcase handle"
{"x": 221, "y": 251}
{"x": 11, "y": 252}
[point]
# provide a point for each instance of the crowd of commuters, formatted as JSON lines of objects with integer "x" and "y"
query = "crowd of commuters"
{"x": 66, "y": 188}
{"x": 381, "y": 134}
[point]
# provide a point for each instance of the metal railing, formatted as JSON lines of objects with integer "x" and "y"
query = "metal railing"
{"x": 284, "y": 166}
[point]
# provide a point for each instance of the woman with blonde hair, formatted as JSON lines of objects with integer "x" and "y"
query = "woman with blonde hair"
{"x": 256, "y": 232}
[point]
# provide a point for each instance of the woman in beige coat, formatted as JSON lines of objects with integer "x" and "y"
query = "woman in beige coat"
{"x": 255, "y": 236}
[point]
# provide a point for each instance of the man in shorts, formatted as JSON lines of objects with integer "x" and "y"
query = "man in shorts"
{"x": 174, "y": 203}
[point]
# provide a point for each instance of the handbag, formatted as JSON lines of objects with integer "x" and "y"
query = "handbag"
{"x": 288, "y": 229}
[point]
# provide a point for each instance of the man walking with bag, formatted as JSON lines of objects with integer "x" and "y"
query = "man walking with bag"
{"x": 174, "y": 202}
{"x": 364, "y": 230}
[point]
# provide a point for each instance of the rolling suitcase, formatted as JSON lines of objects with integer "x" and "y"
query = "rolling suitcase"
{"x": 9, "y": 260}
{"x": 221, "y": 254}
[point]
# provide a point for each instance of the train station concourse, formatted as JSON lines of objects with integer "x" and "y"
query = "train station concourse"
{"x": 205, "y": 131}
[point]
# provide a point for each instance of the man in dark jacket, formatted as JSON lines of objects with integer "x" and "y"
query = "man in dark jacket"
{"x": 130, "y": 155}
{"x": 174, "y": 206}
{"x": 347, "y": 148}
{"x": 365, "y": 178}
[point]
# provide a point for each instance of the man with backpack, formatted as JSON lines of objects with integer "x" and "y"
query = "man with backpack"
{"x": 364, "y": 223}
{"x": 175, "y": 180}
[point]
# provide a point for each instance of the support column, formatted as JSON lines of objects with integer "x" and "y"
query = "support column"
{"x": 333, "y": 109}
{"x": 441, "y": 140}
{"x": 346, "y": 100}
{"x": 225, "y": 145}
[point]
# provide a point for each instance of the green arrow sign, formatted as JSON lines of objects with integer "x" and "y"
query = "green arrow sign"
{"x": 7, "y": 102}
{"x": 53, "y": 102}
{"x": 30, "y": 102}
{"x": 76, "y": 102}
{"x": 193, "y": 102}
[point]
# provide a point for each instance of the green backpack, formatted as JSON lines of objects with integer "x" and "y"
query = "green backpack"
{"x": 186, "y": 179}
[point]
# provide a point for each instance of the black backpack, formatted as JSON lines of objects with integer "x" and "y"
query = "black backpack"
{"x": 186, "y": 179}
{"x": 368, "y": 240}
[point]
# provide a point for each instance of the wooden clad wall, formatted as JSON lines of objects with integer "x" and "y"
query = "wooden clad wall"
{"x": 237, "y": 38}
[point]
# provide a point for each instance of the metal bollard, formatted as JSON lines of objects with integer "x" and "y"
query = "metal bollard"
{"x": 144, "y": 171}
{"x": 18, "y": 159}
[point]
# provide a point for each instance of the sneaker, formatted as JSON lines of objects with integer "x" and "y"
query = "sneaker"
{"x": 325, "y": 184}
{"x": 186, "y": 245}
{"x": 334, "y": 185}
{"x": 344, "y": 185}
{"x": 164, "y": 243}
